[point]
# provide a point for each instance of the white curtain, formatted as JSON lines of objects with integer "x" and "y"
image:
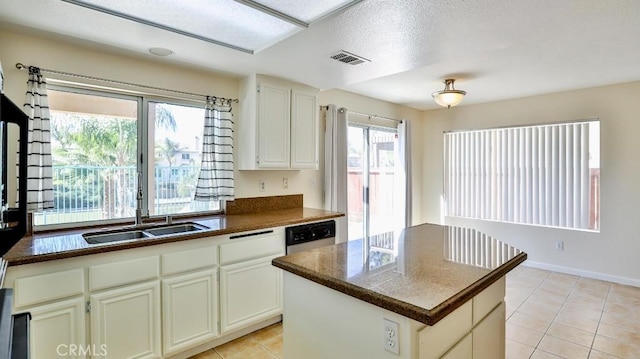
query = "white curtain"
{"x": 39, "y": 171}
{"x": 402, "y": 177}
{"x": 335, "y": 164}
{"x": 215, "y": 181}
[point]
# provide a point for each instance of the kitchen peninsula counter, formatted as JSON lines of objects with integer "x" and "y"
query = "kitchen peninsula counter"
{"x": 419, "y": 278}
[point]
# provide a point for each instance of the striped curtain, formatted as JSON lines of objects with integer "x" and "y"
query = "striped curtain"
{"x": 215, "y": 182}
{"x": 39, "y": 171}
{"x": 535, "y": 175}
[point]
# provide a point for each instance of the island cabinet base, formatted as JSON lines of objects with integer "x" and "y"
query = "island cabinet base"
{"x": 320, "y": 322}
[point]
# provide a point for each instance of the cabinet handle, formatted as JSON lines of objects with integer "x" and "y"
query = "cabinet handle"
{"x": 250, "y": 234}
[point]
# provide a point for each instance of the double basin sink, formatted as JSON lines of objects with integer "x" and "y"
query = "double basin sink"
{"x": 141, "y": 233}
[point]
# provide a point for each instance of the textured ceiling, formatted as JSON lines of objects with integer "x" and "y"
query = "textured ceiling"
{"x": 496, "y": 49}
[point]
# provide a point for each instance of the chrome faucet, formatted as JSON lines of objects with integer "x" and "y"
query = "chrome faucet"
{"x": 139, "y": 201}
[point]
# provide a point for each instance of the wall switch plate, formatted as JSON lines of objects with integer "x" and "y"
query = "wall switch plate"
{"x": 261, "y": 186}
{"x": 560, "y": 245}
{"x": 285, "y": 182}
{"x": 391, "y": 342}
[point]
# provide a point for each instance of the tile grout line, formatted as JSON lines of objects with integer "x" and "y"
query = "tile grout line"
{"x": 573, "y": 289}
{"x": 600, "y": 320}
{"x": 269, "y": 351}
{"x": 554, "y": 317}
{"x": 528, "y": 296}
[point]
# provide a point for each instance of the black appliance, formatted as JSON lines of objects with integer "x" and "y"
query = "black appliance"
{"x": 13, "y": 220}
{"x": 309, "y": 236}
{"x": 14, "y": 329}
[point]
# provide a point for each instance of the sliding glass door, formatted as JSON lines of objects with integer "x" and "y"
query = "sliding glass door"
{"x": 370, "y": 180}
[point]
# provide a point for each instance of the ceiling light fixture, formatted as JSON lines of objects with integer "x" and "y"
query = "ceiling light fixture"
{"x": 160, "y": 51}
{"x": 449, "y": 96}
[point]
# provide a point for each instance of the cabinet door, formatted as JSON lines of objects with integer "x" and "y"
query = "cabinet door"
{"x": 489, "y": 335}
{"x": 249, "y": 292}
{"x": 304, "y": 131}
{"x": 462, "y": 350}
{"x": 126, "y": 321}
{"x": 57, "y": 330}
{"x": 274, "y": 116}
{"x": 189, "y": 310}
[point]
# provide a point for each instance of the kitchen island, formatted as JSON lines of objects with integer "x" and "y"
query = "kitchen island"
{"x": 429, "y": 291}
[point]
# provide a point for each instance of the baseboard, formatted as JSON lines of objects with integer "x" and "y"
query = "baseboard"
{"x": 583, "y": 273}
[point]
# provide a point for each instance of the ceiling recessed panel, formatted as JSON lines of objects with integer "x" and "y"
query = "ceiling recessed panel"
{"x": 306, "y": 10}
{"x": 223, "y": 21}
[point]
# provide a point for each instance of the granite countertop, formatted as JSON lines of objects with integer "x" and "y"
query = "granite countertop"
{"x": 424, "y": 272}
{"x": 55, "y": 245}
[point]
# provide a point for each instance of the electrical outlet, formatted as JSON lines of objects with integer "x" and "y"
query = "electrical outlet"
{"x": 560, "y": 245}
{"x": 391, "y": 337}
{"x": 261, "y": 186}
{"x": 285, "y": 182}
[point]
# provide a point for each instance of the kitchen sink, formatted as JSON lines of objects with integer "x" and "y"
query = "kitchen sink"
{"x": 174, "y": 229}
{"x": 148, "y": 232}
{"x": 95, "y": 238}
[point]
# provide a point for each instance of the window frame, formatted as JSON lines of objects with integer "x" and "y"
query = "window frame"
{"x": 142, "y": 152}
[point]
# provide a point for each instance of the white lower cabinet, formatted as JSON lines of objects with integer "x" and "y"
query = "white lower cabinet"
{"x": 189, "y": 310}
{"x": 489, "y": 335}
{"x": 249, "y": 292}
{"x": 476, "y": 330}
{"x": 462, "y": 350}
{"x": 125, "y": 322}
{"x": 58, "y": 330}
{"x": 154, "y": 302}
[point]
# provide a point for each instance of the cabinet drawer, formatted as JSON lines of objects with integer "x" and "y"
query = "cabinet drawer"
{"x": 252, "y": 245}
{"x": 488, "y": 299}
{"x": 125, "y": 272}
{"x": 188, "y": 260}
{"x": 42, "y": 288}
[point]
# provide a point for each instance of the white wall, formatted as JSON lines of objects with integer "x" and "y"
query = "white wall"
{"x": 373, "y": 106}
{"x": 58, "y": 54}
{"x": 611, "y": 254}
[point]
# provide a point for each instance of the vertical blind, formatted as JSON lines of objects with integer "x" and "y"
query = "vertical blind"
{"x": 534, "y": 175}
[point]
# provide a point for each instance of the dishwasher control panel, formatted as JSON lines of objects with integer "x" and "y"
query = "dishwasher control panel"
{"x": 310, "y": 232}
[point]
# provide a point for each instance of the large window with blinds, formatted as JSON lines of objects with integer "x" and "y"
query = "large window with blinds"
{"x": 546, "y": 175}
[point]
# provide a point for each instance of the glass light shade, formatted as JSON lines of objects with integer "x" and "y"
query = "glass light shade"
{"x": 448, "y": 98}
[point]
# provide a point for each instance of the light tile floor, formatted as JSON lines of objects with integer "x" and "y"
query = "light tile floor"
{"x": 549, "y": 315}
{"x": 264, "y": 344}
{"x": 554, "y": 315}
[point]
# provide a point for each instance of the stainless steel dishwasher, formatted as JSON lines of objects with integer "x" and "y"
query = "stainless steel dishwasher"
{"x": 312, "y": 235}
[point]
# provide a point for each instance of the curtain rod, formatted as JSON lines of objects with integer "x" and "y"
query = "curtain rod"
{"x": 326, "y": 107}
{"x": 22, "y": 67}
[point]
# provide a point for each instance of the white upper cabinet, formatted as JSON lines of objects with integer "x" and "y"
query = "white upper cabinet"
{"x": 278, "y": 125}
{"x": 304, "y": 129}
{"x": 274, "y": 113}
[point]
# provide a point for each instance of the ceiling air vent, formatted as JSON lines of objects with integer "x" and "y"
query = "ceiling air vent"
{"x": 349, "y": 58}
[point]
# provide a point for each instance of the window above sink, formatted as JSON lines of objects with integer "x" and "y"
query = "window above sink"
{"x": 98, "y": 140}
